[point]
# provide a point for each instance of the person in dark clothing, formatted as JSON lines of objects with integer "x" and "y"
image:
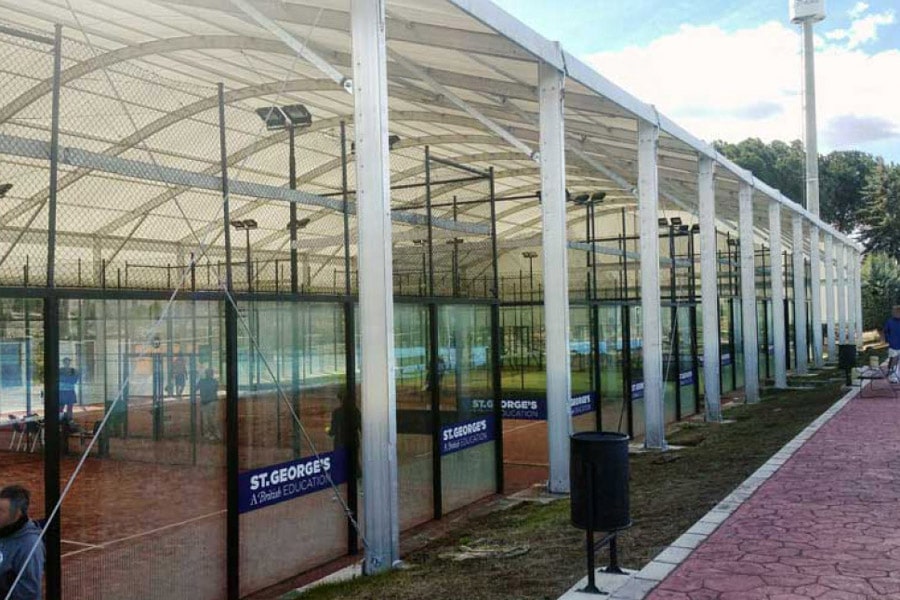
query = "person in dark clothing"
{"x": 18, "y": 535}
{"x": 208, "y": 388}
{"x": 892, "y": 337}
{"x": 68, "y": 380}
{"x": 179, "y": 372}
{"x": 441, "y": 369}
{"x": 345, "y": 431}
{"x": 339, "y": 425}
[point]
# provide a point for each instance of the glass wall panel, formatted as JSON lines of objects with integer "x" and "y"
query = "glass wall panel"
{"x": 670, "y": 365}
{"x": 584, "y": 416}
{"x": 612, "y": 368}
{"x": 414, "y": 414}
{"x": 524, "y": 387}
{"x": 726, "y": 357}
{"x": 291, "y": 517}
{"x": 700, "y": 382}
{"x": 738, "y": 343}
{"x": 147, "y": 512}
{"x": 467, "y": 437}
{"x": 22, "y": 399}
{"x": 637, "y": 372}
{"x": 686, "y": 363}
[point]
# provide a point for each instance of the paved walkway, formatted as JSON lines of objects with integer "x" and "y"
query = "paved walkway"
{"x": 826, "y": 525}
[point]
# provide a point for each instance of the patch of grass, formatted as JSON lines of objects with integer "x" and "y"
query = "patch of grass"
{"x": 667, "y": 497}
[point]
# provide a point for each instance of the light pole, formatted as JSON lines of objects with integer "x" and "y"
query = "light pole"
{"x": 530, "y": 255}
{"x": 807, "y": 13}
{"x": 288, "y": 117}
{"x": 247, "y": 225}
{"x": 293, "y": 225}
{"x": 455, "y": 263}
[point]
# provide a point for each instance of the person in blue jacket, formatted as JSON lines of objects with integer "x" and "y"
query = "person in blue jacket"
{"x": 892, "y": 337}
{"x": 68, "y": 379}
{"x": 18, "y": 535}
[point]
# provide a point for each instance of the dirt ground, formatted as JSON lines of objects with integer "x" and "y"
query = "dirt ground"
{"x": 669, "y": 492}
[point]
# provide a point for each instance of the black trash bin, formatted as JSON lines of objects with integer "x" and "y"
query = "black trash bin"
{"x": 601, "y": 456}
{"x": 846, "y": 356}
{"x": 847, "y": 359}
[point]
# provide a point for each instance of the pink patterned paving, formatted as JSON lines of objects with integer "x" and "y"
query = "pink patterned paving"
{"x": 825, "y": 526}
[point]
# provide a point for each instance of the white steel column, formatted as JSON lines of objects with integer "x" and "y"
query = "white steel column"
{"x": 857, "y": 290}
{"x": 651, "y": 311}
{"x": 815, "y": 299}
{"x": 748, "y": 295}
{"x": 556, "y": 279}
{"x": 799, "y": 271}
{"x": 840, "y": 277}
{"x": 852, "y": 304}
{"x": 777, "y": 278}
{"x": 709, "y": 290}
{"x": 376, "y": 299}
{"x": 829, "y": 297}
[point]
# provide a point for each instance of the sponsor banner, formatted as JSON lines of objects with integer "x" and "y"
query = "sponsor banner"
{"x": 531, "y": 409}
{"x": 583, "y": 403}
{"x": 270, "y": 485}
{"x": 686, "y": 378}
{"x": 467, "y": 434}
{"x": 637, "y": 390}
{"x": 528, "y": 409}
{"x": 726, "y": 359}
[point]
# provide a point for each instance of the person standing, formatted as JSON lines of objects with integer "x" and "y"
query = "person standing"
{"x": 892, "y": 337}
{"x": 18, "y": 535}
{"x": 179, "y": 372}
{"x": 208, "y": 388}
{"x": 68, "y": 379}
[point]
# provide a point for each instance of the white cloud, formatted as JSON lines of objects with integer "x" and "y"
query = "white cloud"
{"x": 858, "y": 9}
{"x": 861, "y": 30}
{"x": 746, "y": 83}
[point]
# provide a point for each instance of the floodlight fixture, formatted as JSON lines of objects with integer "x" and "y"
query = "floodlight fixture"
{"x": 247, "y": 224}
{"x": 393, "y": 139}
{"x": 582, "y": 198}
{"x": 663, "y": 222}
{"x": 675, "y": 221}
{"x": 598, "y": 196}
{"x": 299, "y": 224}
{"x": 530, "y": 254}
{"x": 4, "y": 189}
{"x": 281, "y": 117}
{"x": 695, "y": 227}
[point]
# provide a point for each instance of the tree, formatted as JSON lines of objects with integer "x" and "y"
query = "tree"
{"x": 842, "y": 177}
{"x": 880, "y": 216}
{"x": 880, "y": 288}
{"x": 779, "y": 164}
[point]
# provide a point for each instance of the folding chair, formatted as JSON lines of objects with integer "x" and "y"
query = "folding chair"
{"x": 35, "y": 428}
{"x": 17, "y": 431}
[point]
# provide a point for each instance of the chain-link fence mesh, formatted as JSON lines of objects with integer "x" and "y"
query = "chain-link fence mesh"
{"x": 25, "y": 129}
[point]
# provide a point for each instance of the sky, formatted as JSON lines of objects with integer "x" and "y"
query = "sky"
{"x": 731, "y": 70}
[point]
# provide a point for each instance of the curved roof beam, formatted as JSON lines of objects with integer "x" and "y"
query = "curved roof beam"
{"x": 168, "y": 120}
{"x": 164, "y": 46}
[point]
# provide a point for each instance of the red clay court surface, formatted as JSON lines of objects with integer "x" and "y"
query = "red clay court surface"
{"x": 825, "y": 526}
